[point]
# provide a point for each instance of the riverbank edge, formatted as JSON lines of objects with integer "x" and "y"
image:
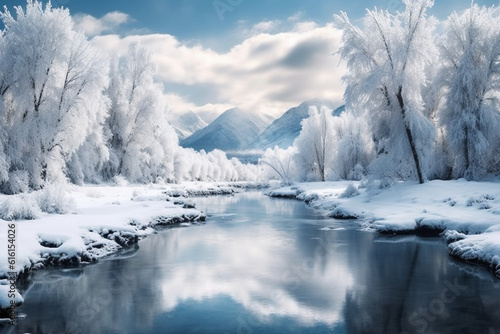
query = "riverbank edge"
{"x": 130, "y": 232}
{"x": 466, "y": 214}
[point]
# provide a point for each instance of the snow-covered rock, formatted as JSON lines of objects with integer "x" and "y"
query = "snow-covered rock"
{"x": 5, "y": 301}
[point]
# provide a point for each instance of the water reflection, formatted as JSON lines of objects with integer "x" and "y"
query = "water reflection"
{"x": 410, "y": 285}
{"x": 263, "y": 265}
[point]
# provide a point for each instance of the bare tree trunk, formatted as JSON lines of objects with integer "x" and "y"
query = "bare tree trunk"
{"x": 411, "y": 140}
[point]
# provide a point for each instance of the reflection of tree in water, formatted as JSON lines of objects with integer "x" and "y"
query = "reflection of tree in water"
{"x": 403, "y": 285}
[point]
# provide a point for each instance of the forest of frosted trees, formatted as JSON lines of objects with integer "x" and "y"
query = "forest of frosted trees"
{"x": 70, "y": 113}
{"x": 422, "y": 102}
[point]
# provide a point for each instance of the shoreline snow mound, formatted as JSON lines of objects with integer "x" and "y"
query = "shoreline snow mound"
{"x": 96, "y": 228}
{"x": 467, "y": 212}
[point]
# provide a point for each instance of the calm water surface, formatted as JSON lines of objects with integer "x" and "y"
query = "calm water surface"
{"x": 262, "y": 265}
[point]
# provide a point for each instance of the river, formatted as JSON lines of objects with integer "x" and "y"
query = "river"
{"x": 263, "y": 265}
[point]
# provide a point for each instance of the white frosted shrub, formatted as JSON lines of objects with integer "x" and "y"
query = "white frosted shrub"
{"x": 19, "y": 208}
{"x": 53, "y": 199}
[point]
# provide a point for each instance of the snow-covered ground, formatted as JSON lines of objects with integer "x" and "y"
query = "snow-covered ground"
{"x": 468, "y": 213}
{"x": 98, "y": 221}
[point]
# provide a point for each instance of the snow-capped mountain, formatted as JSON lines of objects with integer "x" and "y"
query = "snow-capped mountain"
{"x": 235, "y": 129}
{"x": 283, "y": 131}
{"x": 187, "y": 124}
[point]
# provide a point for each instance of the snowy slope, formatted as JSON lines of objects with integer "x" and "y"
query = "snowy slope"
{"x": 235, "y": 129}
{"x": 283, "y": 131}
{"x": 187, "y": 124}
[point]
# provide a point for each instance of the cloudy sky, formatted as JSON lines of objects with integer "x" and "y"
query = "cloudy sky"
{"x": 261, "y": 55}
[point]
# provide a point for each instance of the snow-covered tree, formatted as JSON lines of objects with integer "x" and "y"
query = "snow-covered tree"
{"x": 387, "y": 60}
{"x": 245, "y": 172}
{"x": 64, "y": 116}
{"x": 55, "y": 93}
{"x": 142, "y": 141}
{"x": 330, "y": 147}
{"x": 354, "y": 148}
{"x": 470, "y": 116}
{"x": 213, "y": 166}
{"x": 315, "y": 144}
{"x": 89, "y": 161}
{"x": 6, "y": 82}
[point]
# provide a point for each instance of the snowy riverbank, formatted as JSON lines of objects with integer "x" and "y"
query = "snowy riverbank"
{"x": 97, "y": 221}
{"x": 466, "y": 213}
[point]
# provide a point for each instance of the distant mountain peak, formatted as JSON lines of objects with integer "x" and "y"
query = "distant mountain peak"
{"x": 238, "y": 129}
{"x": 187, "y": 123}
{"x": 234, "y": 129}
{"x": 283, "y": 131}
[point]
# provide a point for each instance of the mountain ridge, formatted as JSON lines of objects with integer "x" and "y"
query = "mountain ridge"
{"x": 239, "y": 130}
{"x": 284, "y": 130}
{"x": 234, "y": 129}
{"x": 187, "y": 124}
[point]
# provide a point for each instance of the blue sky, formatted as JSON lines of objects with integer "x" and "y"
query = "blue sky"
{"x": 264, "y": 55}
{"x": 200, "y": 21}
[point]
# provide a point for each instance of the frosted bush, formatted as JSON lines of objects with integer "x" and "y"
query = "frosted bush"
{"x": 384, "y": 183}
{"x": 120, "y": 181}
{"x": 350, "y": 191}
{"x": 364, "y": 183}
{"x": 275, "y": 184}
{"x": 482, "y": 201}
{"x": 375, "y": 186}
{"x": 19, "y": 207}
{"x": 357, "y": 173}
{"x": 53, "y": 199}
{"x": 278, "y": 163}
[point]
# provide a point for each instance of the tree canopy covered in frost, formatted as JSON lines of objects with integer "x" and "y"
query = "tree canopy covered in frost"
{"x": 387, "y": 60}
{"x": 418, "y": 104}
{"x": 354, "y": 147}
{"x": 53, "y": 92}
{"x": 328, "y": 148}
{"x": 470, "y": 51}
{"x": 142, "y": 142}
{"x": 315, "y": 144}
{"x": 65, "y": 115}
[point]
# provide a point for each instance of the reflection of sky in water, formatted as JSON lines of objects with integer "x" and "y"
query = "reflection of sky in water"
{"x": 262, "y": 266}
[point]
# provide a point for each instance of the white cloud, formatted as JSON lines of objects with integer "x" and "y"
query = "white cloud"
{"x": 263, "y": 293}
{"x": 266, "y": 72}
{"x": 296, "y": 17}
{"x": 92, "y": 26}
{"x": 265, "y": 26}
